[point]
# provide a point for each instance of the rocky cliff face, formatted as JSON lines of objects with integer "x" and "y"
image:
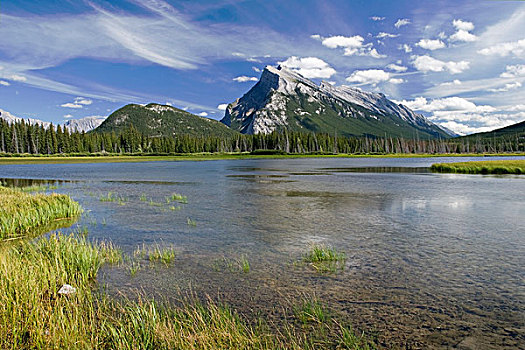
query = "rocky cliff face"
{"x": 283, "y": 99}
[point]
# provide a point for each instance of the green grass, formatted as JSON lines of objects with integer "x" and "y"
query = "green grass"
{"x": 482, "y": 167}
{"x": 21, "y": 212}
{"x": 324, "y": 259}
{"x": 232, "y": 265}
{"x": 191, "y": 222}
{"x": 155, "y": 253}
{"x": 33, "y": 315}
{"x": 175, "y": 197}
{"x": 44, "y": 159}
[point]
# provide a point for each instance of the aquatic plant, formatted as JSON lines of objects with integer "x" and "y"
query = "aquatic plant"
{"x": 324, "y": 259}
{"x": 191, "y": 222}
{"x": 179, "y": 198}
{"x": 21, "y": 212}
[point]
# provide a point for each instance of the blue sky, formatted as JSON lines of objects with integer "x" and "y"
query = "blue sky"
{"x": 461, "y": 63}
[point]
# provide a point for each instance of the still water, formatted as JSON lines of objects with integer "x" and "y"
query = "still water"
{"x": 434, "y": 260}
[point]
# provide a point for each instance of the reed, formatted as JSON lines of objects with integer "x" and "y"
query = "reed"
{"x": 21, "y": 212}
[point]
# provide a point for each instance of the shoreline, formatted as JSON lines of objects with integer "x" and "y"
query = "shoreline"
{"x": 65, "y": 159}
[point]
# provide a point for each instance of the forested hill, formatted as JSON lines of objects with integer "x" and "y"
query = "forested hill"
{"x": 162, "y": 121}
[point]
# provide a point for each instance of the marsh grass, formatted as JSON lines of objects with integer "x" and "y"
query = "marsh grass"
{"x": 175, "y": 197}
{"x": 156, "y": 253}
{"x": 21, "y": 212}
{"x": 232, "y": 264}
{"x": 482, "y": 167}
{"x": 324, "y": 258}
{"x": 311, "y": 311}
{"x": 191, "y": 222}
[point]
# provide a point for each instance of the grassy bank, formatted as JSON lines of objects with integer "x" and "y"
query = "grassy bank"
{"x": 113, "y": 158}
{"x": 35, "y": 314}
{"x": 21, "y": 212}
{"x": 482, "y": 167}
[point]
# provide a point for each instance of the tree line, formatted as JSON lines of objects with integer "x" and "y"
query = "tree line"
{"x": 24, "y": 138}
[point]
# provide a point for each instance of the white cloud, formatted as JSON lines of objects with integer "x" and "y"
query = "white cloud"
{"x": 464, "y": 129}
{"x": 222, "y": 106}
{"x": 513, "y": 71}
{"x": 463, "y": 25}
{"x": 377, "y": 18}
{"x": 430, "y": 64}
{"x": 4, "y": 83}
{"x": 507, "y": 87}
{"x": 382, "y": 35}
{"x": 203, "y": 114}
{"x": 430, "y": 44}
{"x": 397, "y": 68}
{"x": 255, "y": 69}
{"x": 71, "y": 105}
{"x": 451, "y": 83}
{"x": 373, "y": 77}
{"x": 463, "y": 35}
{"x": 446, "y": 104}
{"x": 402, "y": 22}
{"x": 406, "y": 48}
{"x": 516, "y": 48}
{"x": 334, "y": 42}
{"x": 316, "y": 37}
{"x": 309, "y": 67}
{"x": 353, "y": 45}
{"x": 16, "y": 77}
{"x": 68, "y": 116}
{"x": 83, "y": 101}
{"x": 244, "y": 79}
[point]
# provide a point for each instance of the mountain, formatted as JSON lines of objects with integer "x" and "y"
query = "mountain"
{"x": 283, "y": 99}
{"x": 514, "y": 130}
{"x": 11, "y": 118}
{"x": 84, "y": 124}
{"x": 161, "y": 120}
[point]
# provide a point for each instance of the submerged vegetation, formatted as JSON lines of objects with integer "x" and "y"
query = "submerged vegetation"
{"x": 482, "y": 167}
{"x": 21, "y": 212}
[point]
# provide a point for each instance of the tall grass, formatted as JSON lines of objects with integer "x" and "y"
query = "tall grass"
{"x": 482, "y": 167}
{"x": 21, "y": 212}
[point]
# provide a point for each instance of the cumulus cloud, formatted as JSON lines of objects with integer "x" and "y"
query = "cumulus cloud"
{"x": 507, "y": 87}
{"x": 430, "y": 64}
{"x": 406, "y": 48}
{"x": 382, "y": 35}
{"x": 203, "y": 114}
{"x": 461, "y": 115}
{"x": 309, "y": 67}
{"x": 377, "y": 18}
{"x": 430, "y": 44}
{"x": 244, "y": 79}
{"x": 373, "y": 77}
{"x": 397, "y": 68}
{"x": 516, "y": 48}
{"x": 255, "y": 69}
{"x": 463, "y": 25}
{"x": 513, "y": 71}
{"x": 4, "y": 83}
{"x": 463, "y": 35}
{"x": 68, "y": 116}
{"x": 222, "y": 106}
{"x": 78, "y": 102}
{"x": 353, "y": 45}
{"x": 402, "y": 22}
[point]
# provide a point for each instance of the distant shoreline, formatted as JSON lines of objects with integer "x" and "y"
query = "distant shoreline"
{"x": 99, "y": 158}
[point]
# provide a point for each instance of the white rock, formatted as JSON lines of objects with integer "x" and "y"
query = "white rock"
{"x": 66, "y": 289}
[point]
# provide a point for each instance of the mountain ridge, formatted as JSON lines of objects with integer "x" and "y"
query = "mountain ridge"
{"x": 283, "y": 99}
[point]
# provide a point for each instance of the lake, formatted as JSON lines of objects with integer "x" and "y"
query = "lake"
{"x": 433, "y": 260}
